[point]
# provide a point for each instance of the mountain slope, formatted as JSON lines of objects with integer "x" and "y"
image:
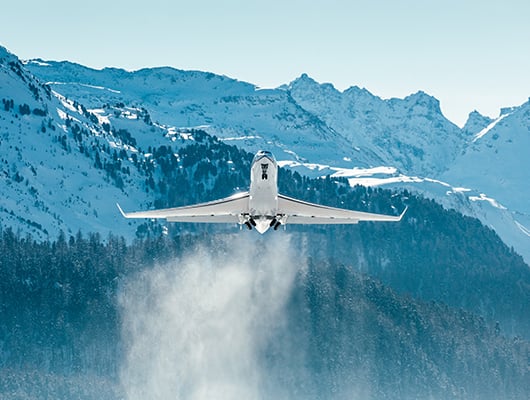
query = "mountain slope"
{"x": 496, "y": 160}
{"x": 61, "y": 164}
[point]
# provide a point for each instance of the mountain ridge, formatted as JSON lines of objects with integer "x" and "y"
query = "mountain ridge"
{"x": 316, "y": 129}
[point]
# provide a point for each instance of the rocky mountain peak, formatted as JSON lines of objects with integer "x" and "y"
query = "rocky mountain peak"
{"x": 475, "y": 123}
{"x": 425, "y": 100}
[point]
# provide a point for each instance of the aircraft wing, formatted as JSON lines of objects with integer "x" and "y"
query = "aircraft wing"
{"x": 301, "y": 212}
{"x": 224, "y": 210}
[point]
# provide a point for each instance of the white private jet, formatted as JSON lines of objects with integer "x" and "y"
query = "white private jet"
{"x": 262, "y": 207}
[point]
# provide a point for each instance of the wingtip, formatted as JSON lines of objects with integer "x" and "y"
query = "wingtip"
{"x": 121, "y": 210}
{"x": 403, "y": 213}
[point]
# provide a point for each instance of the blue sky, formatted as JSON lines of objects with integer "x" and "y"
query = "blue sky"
{"x": 468, "y": 54}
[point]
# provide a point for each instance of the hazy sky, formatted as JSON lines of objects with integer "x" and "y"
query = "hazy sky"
{"x": 469, "y": 54}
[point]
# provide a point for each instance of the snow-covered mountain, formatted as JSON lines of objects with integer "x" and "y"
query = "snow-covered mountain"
{"x": 497, "y": 159}
{"x": 410, "y": 134}
{"x": 54, "y": 182}
{"x": 237, "y": 112}
{"x": 311, "y": 127}
{"x": 302, "y": 121}
{"x": 496, "y": 163}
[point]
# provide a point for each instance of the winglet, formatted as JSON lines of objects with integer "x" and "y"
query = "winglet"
{"x": 402, "y": 214}
{"x": 121, "y": 211}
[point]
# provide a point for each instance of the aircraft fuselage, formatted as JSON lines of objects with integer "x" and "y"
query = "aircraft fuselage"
{"x": 263, "y": 199}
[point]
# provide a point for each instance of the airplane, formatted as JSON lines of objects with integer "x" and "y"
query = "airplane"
{"x": 262, "y": 207}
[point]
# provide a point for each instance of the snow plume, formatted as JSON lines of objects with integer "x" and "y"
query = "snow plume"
{"x": 197, "y": 328}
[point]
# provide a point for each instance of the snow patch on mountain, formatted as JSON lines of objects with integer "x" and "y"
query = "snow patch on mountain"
{"x": 489, "y": 127}
{"x": 483, "y": 197}
{"x": 232, "y": 139}
{"x": 523, "y": 228}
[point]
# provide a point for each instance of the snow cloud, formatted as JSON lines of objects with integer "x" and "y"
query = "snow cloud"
{"x": 196, "y": 328}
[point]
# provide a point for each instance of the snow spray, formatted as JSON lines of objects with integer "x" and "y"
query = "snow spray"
{"x": 195, "y": 328}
